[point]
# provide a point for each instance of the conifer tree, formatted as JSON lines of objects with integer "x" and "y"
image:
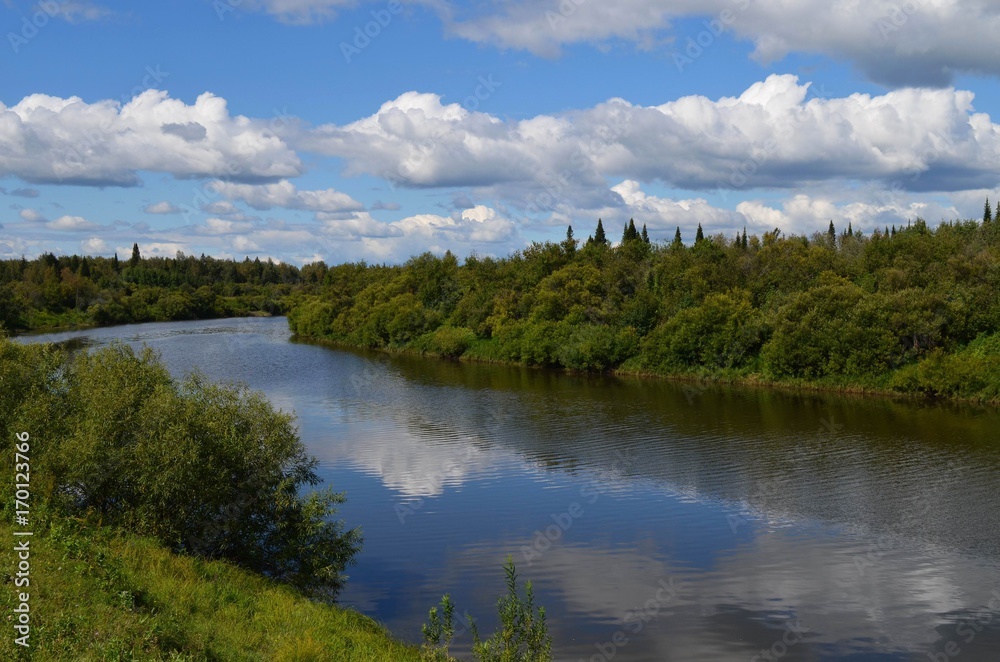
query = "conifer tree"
{"x": 134, "y": 261}
{"x": 699, "y": 235}
{"x": 850, "y": 230}
{"x": 832, "y": 231}
{"x": 645, "y": 235}
{"x": 987, "y": 212}
{"x": 570, "y": 244}
{"x": 599, "y": 236}
{"x": 745, "y": 237}
{"x": 677, "y": 238}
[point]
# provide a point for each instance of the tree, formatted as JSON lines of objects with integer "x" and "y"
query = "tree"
{"x": 569, "y": 244}
{"x": 599, "y": 236}
{"x": 744, "y": 238}
{"x": 699, "y": 235}
{"x": 677, "y": 238}
{"x": 114, "y": 263}
{"x": 630, "y": 233}
{"x": 987, "y": 212}
{"x": 850, "y": 230}
{"x": 134, "y": 262}
{"x": 645, "y": 235}
{"x": 210, "y": 470}
{"x": 831, "y": 232}
{"x": 997, "y": 214}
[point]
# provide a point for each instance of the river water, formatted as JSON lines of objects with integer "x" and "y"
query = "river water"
{"x": 656, "y": 520}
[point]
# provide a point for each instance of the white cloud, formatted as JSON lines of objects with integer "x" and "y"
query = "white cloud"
{"x": 76, "y": 11}
{"x": 299, "y": 12}
{"x": 897, "y": 43}
{"x": 161, "y": 208}
{"x": 71, "y": 224}
{"x": 219, "y": 226}
{"x": 31, "y": 216}
{"x": 772, "y": 135}
{"x": 55, "y": 140}
{"x": 284, "y": 194}
{"x": 804, "y": 214}
{"x": 93, "y": 246}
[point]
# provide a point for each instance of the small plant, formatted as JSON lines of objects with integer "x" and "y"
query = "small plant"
{"x": 523, "y": 635}
{"x": 439, "y": 632}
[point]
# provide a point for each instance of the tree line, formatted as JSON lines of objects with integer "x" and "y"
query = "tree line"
{"x": 58, "y": 291}
{"x": 911, "y": 309}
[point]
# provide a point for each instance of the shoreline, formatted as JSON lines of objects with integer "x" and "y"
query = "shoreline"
{"x": 755, "y": 382}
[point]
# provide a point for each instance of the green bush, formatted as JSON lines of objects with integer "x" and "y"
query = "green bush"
{"x": 595, "y": 348}
{"x": 207, "y": 469}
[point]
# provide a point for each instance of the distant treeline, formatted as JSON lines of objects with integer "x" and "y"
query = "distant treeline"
{"x": 910, "y": 309}
{"x": 52, "y": 291}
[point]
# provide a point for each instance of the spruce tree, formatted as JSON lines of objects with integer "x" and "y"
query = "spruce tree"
{"x": 699, "y": 235}
{"x": 744, "y": 237}
{"x": 599, "y": 236}
{"x": 632, "y": 233}
{"x": 850, "y": 230}
{"x": 570, "y": 244}
{"x": 677, "y": 238}
{"x": 832, "y": 231}
{"x": 114, "y": 263}
{"x": 987, "y": 212}
{"x": 134, "y": 262}
{"x": 645, "y": 235}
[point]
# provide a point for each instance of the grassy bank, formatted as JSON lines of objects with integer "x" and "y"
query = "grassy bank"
{"x": 100, "y": 595}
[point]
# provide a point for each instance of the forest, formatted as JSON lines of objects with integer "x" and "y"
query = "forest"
{"x": 911, "y": 310}
{"x": 52, "y": 292}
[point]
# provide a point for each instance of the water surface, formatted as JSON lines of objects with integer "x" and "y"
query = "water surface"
{"x": 657, "y": 520}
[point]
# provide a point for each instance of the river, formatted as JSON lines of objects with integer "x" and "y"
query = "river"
{"x": 656, "y": 520}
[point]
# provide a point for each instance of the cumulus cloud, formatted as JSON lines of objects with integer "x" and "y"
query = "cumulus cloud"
{"x": 910, "y": 43}
{"x": 31, "y": 216}
{"x": 284, "y": 194}
{"x": 71, "y": 224}
{"x": 772, "y": 135}
{"x": 93, "y": 246}
{"x": 54, "y": 140}
{"x": 161, "y": 208}
{"x": 219, "y": 226}
{"x": 803, "y": 214}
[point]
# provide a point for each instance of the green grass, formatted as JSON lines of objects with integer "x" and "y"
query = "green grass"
{"x": 100, "y": 595}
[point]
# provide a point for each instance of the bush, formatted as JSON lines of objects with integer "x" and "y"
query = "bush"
{"x": 595, "y": 348}
{"x": 207, "y": 469}
{"x": 724, "y": 331}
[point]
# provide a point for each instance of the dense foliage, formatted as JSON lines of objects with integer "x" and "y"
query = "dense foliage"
{"x": 52, "y": 291}
{"x": 206, "y": 469}
{"x": 913, "y": 309}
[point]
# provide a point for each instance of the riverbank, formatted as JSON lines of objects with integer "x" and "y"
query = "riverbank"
{"x": 479, "y": 351}
{"x": 97, "y": 594}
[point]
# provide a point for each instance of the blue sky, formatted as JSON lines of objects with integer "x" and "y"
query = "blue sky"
{"x": 278, "y": 128}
